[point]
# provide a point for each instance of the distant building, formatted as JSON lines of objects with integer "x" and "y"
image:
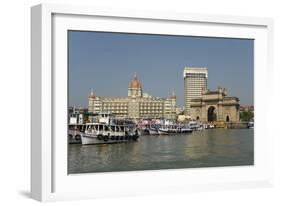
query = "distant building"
{"x": 180, "y": 110}
{"x": 249, "y": 108}
{"x": 215, "y": 106}
{"x": 137, "y": 105}
{"x": 195, "y": 79}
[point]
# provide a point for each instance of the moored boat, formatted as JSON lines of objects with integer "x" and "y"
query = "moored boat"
{"x": 174, "y": 129}
{"x": 98, "y": 133}
{"x": 186, "y": 129}
{"x": 74, "y": 133}
{"x": 251, "y": 125}
{"x": 163, "y": 130}
{"x": 153, "y": 130}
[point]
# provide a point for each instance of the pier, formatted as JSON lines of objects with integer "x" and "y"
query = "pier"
{"x": 231, "y": 125}
{"x": 237, "y": 125}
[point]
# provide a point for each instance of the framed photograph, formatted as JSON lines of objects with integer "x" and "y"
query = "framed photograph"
{"x": 137, "y": 102}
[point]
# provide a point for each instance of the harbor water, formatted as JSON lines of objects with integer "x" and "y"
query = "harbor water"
{"x": 207, "y": 148}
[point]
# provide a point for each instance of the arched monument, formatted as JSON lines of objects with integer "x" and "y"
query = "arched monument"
{"x": 215, "y": 106}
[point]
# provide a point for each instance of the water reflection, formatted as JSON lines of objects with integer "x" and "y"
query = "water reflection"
{"x": 216, "y": 147}
{"x": 212, "y": 142}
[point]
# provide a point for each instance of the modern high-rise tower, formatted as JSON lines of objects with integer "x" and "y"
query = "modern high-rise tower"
{"x": 195, "y": 80}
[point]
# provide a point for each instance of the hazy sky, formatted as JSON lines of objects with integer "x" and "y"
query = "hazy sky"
{"x": 106, "y": 62}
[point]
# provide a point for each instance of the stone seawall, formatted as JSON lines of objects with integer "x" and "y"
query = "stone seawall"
{"x": 237, "y": 125}
{"x": 231, "y": 125}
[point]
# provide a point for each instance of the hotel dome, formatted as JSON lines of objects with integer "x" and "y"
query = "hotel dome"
{"x": 135, "y": 83}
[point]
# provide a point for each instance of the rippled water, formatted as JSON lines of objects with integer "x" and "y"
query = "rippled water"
{"x": 208, "y": 148}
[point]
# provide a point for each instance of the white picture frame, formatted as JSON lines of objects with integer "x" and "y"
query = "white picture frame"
{"x": 49, "y": 178}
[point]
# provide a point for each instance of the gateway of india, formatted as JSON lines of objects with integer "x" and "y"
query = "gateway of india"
{"x": 205, "y": 105}
{"x": 137, "y": 105}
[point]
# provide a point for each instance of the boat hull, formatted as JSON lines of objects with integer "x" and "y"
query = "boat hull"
{"x": 163, "y": 132}
{"x": 93, "y": 139}
{"x": 186, "y": 131}
{"x": 153, "y": 132}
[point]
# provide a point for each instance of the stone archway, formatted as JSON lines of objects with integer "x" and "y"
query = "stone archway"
{"x": 212, "y": 116}
{"x": 227, "y": 118}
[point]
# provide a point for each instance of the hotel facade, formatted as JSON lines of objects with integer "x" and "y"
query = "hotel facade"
{"x": 195, "y": 80}
{"x": 137, "y": 105}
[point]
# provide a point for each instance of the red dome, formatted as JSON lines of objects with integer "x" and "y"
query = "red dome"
{"x": 135, "y": 83}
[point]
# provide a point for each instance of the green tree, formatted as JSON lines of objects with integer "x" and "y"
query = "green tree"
{"x": 246, "y": 116}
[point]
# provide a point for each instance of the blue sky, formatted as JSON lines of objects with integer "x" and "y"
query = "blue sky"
{"x": 106, "y": 62}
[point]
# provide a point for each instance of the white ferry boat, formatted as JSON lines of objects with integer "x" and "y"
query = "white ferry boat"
{"x": 100, "y": 133}
{"x": 251, "y": 125}
{"x": 163, "y": 130}
{"x": 108, "y": 130}
{"x": 163, "y": 127}
{"x": 153, "y": 130}
{"x": 186, "y": 129}
{"x": 74, "y": 133}
{"x": 198, "y": 126}
{"x": 168, "y": 129}
{"x": 148, "y": 130}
